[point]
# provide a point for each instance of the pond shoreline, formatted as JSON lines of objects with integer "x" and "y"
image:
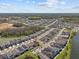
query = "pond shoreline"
{"x": 75, "y": 47}
{"x": 66, "y": 51}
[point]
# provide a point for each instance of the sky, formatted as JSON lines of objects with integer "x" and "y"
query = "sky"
{"x": 39, "y": 6}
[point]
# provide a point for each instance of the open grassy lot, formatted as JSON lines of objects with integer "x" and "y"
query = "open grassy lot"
{"x": 28, "y": 55}
{"x": 72, "y": 19}
{"x": 65, "y": 53}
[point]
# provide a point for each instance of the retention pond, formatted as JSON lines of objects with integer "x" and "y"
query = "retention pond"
{"x": 75, "y": 47}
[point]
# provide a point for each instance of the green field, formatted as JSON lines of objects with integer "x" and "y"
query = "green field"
{"x": 72, "y": 19}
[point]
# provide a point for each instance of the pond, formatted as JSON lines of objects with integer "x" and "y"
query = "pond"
{"x": 75, "y": 47}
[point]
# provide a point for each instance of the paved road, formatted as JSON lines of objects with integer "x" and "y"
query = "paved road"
{"x": 53, "y": 39}
{"x": 52, "y": 23}
{"x": 48, "y": 44}
{"x": 43, "y": 35}
{"x": 38, "y": 50}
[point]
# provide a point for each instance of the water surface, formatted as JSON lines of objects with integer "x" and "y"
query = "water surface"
{"x": 75, "y": 47}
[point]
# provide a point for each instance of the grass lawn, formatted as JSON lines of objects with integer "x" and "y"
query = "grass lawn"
{"x": 28, "y": 55}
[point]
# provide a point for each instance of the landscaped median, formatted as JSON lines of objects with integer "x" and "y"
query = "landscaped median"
{"x": 65, "y": 53}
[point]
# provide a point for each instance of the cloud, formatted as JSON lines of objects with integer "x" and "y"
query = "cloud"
{"x": 6, "y": 6}
{"x": 20, "y": 0}
{"x": 49, "y": 3}
{"x": 27, "y": 1}
{"x": 63, "y": 2}
{"x": 33, "y": 2}
{"x": 75, "y": 7}
{"x": 52, "y": 2}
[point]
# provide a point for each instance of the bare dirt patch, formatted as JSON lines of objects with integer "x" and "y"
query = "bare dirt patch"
{"x": 5, "y": 26}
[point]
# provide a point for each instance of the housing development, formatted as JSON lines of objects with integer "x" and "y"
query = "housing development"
{"x": 36, "y": 37}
